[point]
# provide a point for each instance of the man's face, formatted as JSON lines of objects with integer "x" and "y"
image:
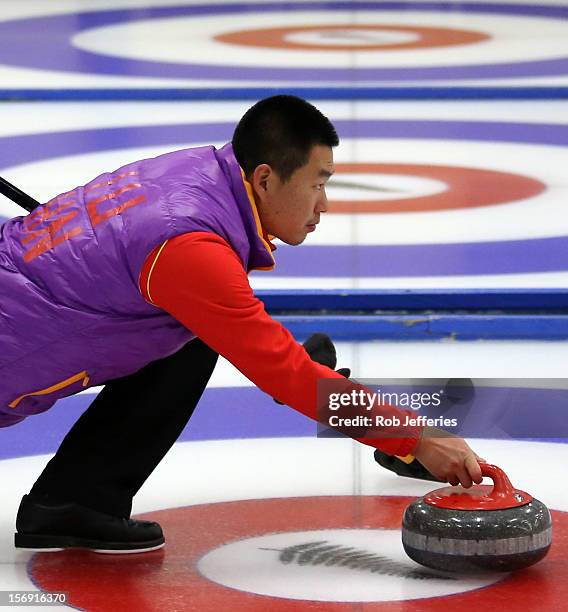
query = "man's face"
{"x": 290, "y": 210}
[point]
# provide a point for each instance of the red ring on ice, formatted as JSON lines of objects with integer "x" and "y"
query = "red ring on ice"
{"x": 168, "y": 578}
{"x": 467, "y": 188}
{"x": 421, "y": 37}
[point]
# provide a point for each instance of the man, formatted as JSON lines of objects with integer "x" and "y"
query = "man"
{"x": 137, "y": 281}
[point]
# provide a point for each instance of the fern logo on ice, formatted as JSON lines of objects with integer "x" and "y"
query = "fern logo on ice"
{"x": 324, "y": 553}
{"x": 359, "y": 565}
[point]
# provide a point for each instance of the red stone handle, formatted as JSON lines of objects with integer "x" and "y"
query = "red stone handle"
{"x": 502, "y": 486}
{"x": 502, "y": 496}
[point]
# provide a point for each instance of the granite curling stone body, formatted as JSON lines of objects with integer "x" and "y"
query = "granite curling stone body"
{"x": 482, "y": 528}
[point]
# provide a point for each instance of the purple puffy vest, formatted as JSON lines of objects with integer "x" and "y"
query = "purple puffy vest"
{"x": 71, "y": 312}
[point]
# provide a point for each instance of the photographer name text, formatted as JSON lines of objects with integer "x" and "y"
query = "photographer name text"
{"x": 382, "y": 421}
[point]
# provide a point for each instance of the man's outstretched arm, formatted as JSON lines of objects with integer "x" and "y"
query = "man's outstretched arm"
{"x": 200, "y": 281}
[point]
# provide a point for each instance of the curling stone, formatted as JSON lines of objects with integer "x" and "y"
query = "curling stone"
{"x": 481, "y": 528}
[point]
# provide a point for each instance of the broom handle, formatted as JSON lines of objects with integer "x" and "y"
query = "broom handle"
{"x": 17, "y": 195}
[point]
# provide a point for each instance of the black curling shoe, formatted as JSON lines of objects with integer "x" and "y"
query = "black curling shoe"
{"x": 45, "y": 526}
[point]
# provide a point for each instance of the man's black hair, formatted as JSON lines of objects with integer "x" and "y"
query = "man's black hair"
{"x": 281, "y": 131}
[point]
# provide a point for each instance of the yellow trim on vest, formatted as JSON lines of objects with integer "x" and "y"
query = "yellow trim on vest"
{"x": 150, "y": 273}
{"x": 61, "y": 385}
{"x": 408, "y": 459}
{"x": 259, "y": 231}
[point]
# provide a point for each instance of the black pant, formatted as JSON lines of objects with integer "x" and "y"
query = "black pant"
{"x": 122, "y": 436}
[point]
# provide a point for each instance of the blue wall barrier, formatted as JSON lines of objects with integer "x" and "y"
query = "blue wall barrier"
{"x": 312, "y": 93}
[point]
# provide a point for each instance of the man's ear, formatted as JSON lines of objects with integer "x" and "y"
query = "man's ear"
{"x": 260, "y": 177}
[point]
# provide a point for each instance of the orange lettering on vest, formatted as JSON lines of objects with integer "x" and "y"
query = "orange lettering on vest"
{"x": 110, "y": 181}
{"x": 49, "y": 238}
{"x": 54, "y": 222}
{"x": 97, "y": 217}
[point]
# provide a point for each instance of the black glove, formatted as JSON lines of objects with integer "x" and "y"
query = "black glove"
{"x": 413, "y": 469}
{"x": 322, "y": 350}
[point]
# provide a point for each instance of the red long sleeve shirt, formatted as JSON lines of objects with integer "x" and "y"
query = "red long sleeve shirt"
{"x": 200, "y": 281}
